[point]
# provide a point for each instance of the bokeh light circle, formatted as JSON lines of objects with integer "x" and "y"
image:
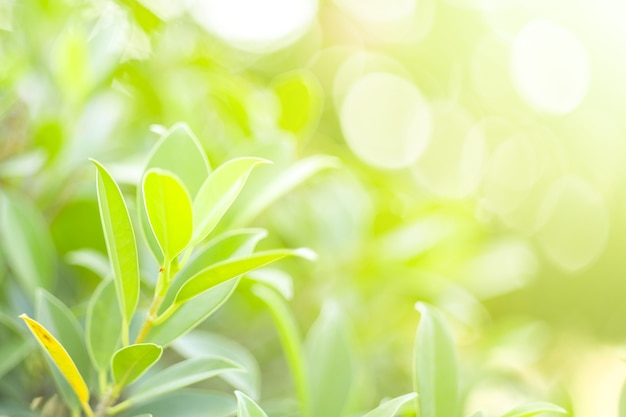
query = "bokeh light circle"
{"x": 385, "y": 120}
{"x": 253, "y": 25}
{"x": 550, "y": 67}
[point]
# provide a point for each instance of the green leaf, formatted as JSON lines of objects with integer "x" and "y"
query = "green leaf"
{"x": 622, "y": 402}
{"x": 478, "y": 414}
{"x": 234, "y": 243}
{"x": 232, "y": 268}
{"x": 191, "y": 314}
{"x": 280, "y": 185}
{"x": 144, "y": 415}
{"x": 178, "y": 151}
{"x": 436, "y": 375}
{"x": 534, "y": 408}
{"x": 246, "y": 407}
{"x": 52, "y": 314}
{"x": 300, "y": 96}
{"x": 218, "y": 193}
{"x": 330, "y": 361}
{"x": 392, "y": 407}
{"x": 26, "y": 243}
{"x": 187, "y": 403}
{"x": 200, "y": 343}
{"x": 120, "y": 241}
{"x": 130, "y": 362}
{"x": 90, "y": 259}
{"x": 104, "y": 325}
{"x": 169, "y": 211}
{"x": 14, "y": 346}
{"x": 181, "y": 375}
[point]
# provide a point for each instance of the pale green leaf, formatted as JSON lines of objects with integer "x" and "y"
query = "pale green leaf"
{"x": 246, "y": 407}
{"x": 168, "y": 207}
{"x": 436, "y": 374}
{"x": 187, "y": 403}
{"x": 90, "y": 259}
{"x": 622, "y": 402}
{"x": 218, "y": 193}
{"x": 14, "y": 346}
{"x": 478, "y": 414}
{"x": 26, "y": 243}
{"x": 181, "y": 375}
{"x": 330, "y": 360}
{"x": 280, "y": 185}
{"x": 534, "y": 408}
{"x": 232, "y": 268}
{"x": 103, "y": 326}
{"x": 120, "y": 241}
{"x": 199, "y": 343}
{"x": 191, "y": 314}
{"x": 178, "y": 151}
{"x": 392, "y": 407}
{"x": 130, "y": 362}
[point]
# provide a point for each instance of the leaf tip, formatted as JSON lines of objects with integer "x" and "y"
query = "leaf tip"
{"x": 306, "y": 253}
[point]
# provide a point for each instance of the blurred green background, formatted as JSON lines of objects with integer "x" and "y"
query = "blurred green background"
{"x": 475, "y": 159}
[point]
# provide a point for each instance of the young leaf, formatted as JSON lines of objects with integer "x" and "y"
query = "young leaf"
{"x": 26, "y": 243}
{"x": 192, "y": 313}
{"x": 232, "y": 268}
{"x": 169, "y": 211}
{"x": 330, "y": 360}
{"x": 181, "y": 375}
{"x": 392, "y": 407}
{"x": 104, "y": 325}
{"x": 60, "y": 357}
{"x": 279, "y": 186}
{"x": 120, "y": 241}
{"x": 178, "y": 151}
{"x": 218, "y": 193}
{"x": 52, "y": 314}
{"x": 234, "y": 243}
{"x": 246, "y": 407}
{"x": 534, "y": 408}
{"x": 436, "y": 375}
{"x": 130, "y": 362}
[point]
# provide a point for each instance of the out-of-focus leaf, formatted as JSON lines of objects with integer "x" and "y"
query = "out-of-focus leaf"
{"x": 281, "y": 185}
{"x": 52, "y": 314}
{"x": 198, "y": 344}
{"x": 218, "y": 193}
{"x": 246, "y": 407}
{"x": 120, "y": 241}
{"x": 144, "y": 17}
{"x": 104, "y": 325}
{"x": 478, "y": 414}
{"x": 622, "y": 402}
{"x": 534, "y": 408}
{"x": 181, "y": 375}
{"x": 90, "y": 259}
{"x": 330, "y": 362}
{"x": 436, "y": 374}
{"x": 187, "y": 403}
{"x": 26, "y": 243}
{"x": 177, "y": 151}
{"x": 279, "y": 280}
{"x": 168, "y": 207}
{"x": 392, "y": 407}
{"x": 131, "y": 361}
{"x": 232, "y": 268}
{"x": 192, "y": 313}
{"x": 60, "y": 357}
{"x": 233, "y": 243}
{"x": 14, "y": 346}
{"x": 300, "y": 96}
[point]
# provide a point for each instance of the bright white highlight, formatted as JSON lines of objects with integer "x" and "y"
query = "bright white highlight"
{"x": 550, "y": 67}
{"x": 255, "y": 25}
{"x": 385, "y": 120}
{"x": 378, "y": 11}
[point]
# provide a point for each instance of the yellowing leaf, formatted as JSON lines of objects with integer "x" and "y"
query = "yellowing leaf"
{"x": 60, "y": 357}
